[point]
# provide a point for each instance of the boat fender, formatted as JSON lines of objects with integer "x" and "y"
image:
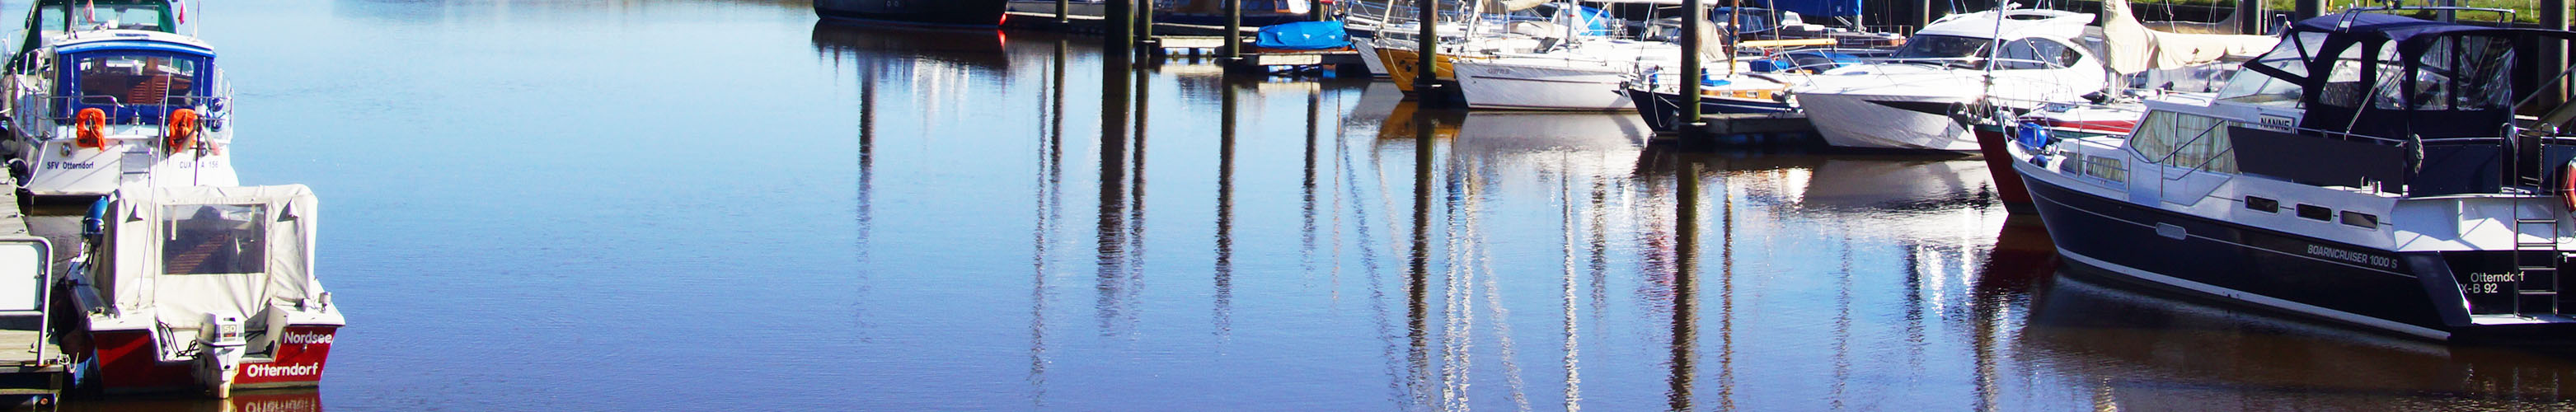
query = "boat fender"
{"x": 96, "y": 221}
{"x": 181, "y": 131}
{"x": 90, "y": 128}
{"x": 2567, "y": 184}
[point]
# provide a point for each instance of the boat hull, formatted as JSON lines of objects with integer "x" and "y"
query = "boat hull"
{"x": 941, "y": 12}
{"x": 1492, "y": 84}
{"x": 126, "y": 361}
{"x": 1662, "y": 111}
{"x": 2407, "y": 293}
{"x": 59, "y": 168}
{"x": 1892, "y": 122}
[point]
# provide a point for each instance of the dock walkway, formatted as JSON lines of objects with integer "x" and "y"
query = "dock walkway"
{"x": 32, "y": 364}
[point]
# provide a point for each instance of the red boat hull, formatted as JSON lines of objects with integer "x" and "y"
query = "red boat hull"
{"x": 125, "y": 362}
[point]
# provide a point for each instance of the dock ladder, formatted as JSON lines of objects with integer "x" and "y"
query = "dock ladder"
{"x": 2536, "y": 259}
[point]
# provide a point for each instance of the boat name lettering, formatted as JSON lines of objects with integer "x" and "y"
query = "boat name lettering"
{"x": 282, "y": 405}
{"x": 2495, "y": 277}
{"x": 309, "y": 338}
{"x": 2354, "y": 257}
{"x": 264, "y": 371}
{"x": 70, "y": 165}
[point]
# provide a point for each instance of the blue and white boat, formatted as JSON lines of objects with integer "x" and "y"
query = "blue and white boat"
{"x": 2369, "y": 170}
{"x": 94, "y": 102}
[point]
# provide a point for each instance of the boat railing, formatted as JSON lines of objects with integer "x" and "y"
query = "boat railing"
{"x": 65, "y": 108}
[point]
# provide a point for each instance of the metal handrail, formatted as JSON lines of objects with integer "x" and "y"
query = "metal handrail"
{"x": 54, "y": 102}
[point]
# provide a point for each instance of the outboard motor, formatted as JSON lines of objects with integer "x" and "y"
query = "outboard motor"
{"x": 219, "y": 353}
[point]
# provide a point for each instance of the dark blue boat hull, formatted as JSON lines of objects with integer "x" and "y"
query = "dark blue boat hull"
{"x": 2410, "y": 293}
{"x": 938, "y": 12}
{"x": 1662, "y": 111}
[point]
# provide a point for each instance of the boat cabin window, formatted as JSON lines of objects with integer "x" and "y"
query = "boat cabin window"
{"x": 214, "y": 239}
{"x": 125, "y": 17}
{"x": 1934, "y": 46}
{"x": 2461, "y": 73}
{"x": 116, "y": 78}
{"x": 2185, "y": 140}
{"x": 2291, "y": 56}
{"x": 2036, "y": 53}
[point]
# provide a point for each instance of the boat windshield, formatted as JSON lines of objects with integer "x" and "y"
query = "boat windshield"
{"x": 2258, "y": 87}
{"x": 214, "y": 239}
{"x": 1934, "y": 46}
{"x": 118, "y": 80}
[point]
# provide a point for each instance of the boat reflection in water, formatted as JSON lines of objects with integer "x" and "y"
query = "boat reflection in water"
{"x": 1394, "y": 257}
{"x": 2150, "y": 351}
{"x": 243, "y": 401}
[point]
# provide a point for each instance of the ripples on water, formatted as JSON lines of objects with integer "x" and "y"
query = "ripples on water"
{"x": 664, "y": 205}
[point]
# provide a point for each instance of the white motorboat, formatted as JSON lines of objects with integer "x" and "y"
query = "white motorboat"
{"x": 200, "y": 288}
{"x": 2012, "y": 58}
{"x": 2403, "y": 193}
{"x": 109, "y": 103}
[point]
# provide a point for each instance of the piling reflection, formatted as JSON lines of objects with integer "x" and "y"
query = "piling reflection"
{"x": 1553, "y": 261}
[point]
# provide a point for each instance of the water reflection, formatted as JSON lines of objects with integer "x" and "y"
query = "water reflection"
{"x": 1312, "y": 240}
{"x": 2150, "y": 351}
{"x": 245, "y": 401}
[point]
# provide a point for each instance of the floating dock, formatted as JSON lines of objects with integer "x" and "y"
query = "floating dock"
{"x": 33, "y": 368}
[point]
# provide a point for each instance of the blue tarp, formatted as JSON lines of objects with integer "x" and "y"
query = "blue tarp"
{"x": 1594, "y": 22}
{"x": 1312, "y": 35}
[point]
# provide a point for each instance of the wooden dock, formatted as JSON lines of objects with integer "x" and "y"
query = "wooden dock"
{"x": 33, "y": 368}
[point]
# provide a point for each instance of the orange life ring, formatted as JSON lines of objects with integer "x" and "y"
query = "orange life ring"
{"x": 90, "y": 128}
{"x": 2567, "y": 184}
{"x": 181, "y": 130}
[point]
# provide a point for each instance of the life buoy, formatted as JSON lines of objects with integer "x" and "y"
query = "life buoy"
{"x": 2567, "y": 184}
{"x": 181, "y": 131}
{"x": 90, "y": 128}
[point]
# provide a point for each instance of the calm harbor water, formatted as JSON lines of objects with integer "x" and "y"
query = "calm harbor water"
{"x": 656, "y": 205}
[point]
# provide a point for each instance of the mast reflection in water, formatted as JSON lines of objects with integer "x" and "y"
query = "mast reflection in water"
{"x": 828, "y": 217}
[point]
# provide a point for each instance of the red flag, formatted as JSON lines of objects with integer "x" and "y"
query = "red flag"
{"x": 183, "y": 11}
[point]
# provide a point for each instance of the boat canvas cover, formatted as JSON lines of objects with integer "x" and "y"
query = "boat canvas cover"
{"x": 183, "y": 252}
{"x": 1311, "y": 35}
{"x": 2323, "y": 56}
{"x": 2131, "y": 47}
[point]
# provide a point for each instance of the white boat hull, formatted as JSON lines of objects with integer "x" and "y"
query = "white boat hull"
{"x": 1560, "y": 85}
{"x": 1864, "y": 121}
{"x": 60, "y": 167}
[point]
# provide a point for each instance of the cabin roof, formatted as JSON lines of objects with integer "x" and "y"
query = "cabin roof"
{"x": 134, "y": 40}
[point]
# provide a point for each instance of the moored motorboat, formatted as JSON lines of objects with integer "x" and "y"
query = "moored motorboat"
{"x": 2014, "y": 58}
{"x": 200, "y": 289}
{"x": 2311, "y": 185}
{"x": 110, "y": 103}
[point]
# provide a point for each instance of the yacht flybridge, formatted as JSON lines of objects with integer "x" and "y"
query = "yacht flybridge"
{"x": 110, "y": 95}
{"x": 200, "y": 288}
{"x": 2370, "y": 169}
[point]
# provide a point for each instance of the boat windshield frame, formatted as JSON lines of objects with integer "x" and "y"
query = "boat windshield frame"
{"x": 46, "y": 19}
{"x": 70, "y": 98}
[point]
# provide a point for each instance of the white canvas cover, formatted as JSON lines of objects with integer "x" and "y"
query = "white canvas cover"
{"x": 183, "y": 252}
{"x": 2131, "y": 47}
